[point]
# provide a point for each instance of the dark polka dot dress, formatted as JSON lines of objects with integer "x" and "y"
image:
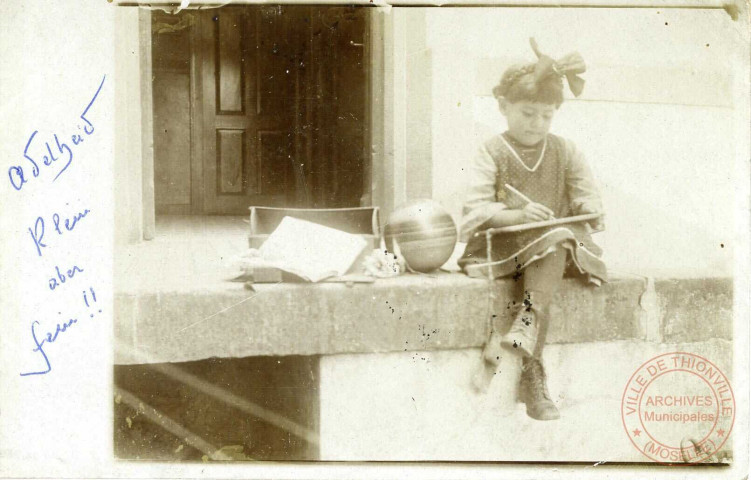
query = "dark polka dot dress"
{"x": 544, "y": 174}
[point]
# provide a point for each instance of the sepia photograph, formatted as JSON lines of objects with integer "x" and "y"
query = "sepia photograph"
{"x": 428, "y": 234}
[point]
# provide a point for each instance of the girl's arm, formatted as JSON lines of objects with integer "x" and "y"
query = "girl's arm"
{"x": 483, "y": 210}
{"x": 532, "y": 212}
{"x": 581, "y": 186}
{"x": 481, "y": 204}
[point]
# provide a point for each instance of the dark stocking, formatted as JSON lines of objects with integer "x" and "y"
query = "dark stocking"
{"x": 542, "y": 279}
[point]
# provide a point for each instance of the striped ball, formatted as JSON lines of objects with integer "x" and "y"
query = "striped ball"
{"x": 425, "y": 233}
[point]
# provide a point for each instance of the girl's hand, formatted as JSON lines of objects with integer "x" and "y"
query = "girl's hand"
{"x": 597, "y": 224}
{"x": 536, "y": 212}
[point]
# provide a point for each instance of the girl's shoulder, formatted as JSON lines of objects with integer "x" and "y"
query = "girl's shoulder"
{"x": 566, "y": 145}
{"x": 494, "y": 145}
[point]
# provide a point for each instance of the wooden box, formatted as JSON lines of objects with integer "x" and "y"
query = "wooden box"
{"x": 363, "y": 221}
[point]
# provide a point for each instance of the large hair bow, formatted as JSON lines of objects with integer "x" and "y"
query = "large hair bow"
{"x": 569, "y": 66}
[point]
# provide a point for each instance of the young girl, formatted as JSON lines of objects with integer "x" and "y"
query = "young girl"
{"x": 524, "y": 175}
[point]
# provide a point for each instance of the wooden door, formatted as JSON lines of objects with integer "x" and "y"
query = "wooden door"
{"x": 281, "y": 110}
{"x": 338, "y": 77}
{"x": 247, "y": 73}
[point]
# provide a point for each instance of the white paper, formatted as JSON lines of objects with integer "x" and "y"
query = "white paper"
{"x": 310, "y": 250}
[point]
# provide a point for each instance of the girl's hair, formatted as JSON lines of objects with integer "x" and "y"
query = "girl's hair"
{"x": 518, "y": 84}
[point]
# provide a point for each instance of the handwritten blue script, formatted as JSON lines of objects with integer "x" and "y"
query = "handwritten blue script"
{"x": 53, "y": 149}
{"x": 51, "y": 337}
{"x": 54, "y": 283}
{"x": 37, "y": 233}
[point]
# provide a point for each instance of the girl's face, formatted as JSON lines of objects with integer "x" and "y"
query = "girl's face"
{"x": 528, "y": 122}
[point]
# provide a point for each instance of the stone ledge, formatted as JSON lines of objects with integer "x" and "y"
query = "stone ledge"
{"x": 411, "y": 312}
{"x": 694, "y": 309}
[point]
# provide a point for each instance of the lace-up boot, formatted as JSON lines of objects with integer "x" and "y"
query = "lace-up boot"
{"x": 533, "y": 390}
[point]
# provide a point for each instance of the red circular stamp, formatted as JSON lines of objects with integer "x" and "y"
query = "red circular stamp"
{"x": 678, "y": 408}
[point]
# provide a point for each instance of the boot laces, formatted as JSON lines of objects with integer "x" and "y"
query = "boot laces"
{"x": 536, "y": 379}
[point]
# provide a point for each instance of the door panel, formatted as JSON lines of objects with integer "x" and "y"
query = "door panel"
{"x": 230, "y": 152}
{"x": 230, "y": 59}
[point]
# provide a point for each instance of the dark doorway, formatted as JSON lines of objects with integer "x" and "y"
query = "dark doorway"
{"x": 260, "y": 105}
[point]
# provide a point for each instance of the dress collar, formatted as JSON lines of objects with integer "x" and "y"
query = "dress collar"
{"x": 517, "y": 150}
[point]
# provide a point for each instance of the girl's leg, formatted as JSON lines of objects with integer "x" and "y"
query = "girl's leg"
{"x": 541, "y": 280}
